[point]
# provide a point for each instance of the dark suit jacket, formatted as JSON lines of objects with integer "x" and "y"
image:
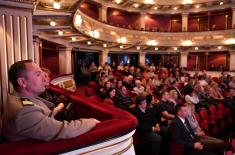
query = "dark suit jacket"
{"x": 181, "y": 135}
{"x": 145, "y": 121}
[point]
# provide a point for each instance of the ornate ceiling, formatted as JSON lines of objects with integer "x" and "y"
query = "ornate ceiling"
{"x": 65, "y": 33}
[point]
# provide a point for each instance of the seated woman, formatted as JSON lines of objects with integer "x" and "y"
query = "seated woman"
{"x": 215, "y": 95}
{"x": 110, "y": 99}
{"x": 191, "y": 97}
{"x": 139, "y": 89}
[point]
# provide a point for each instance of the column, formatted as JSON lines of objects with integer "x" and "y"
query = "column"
{"x": 183, "y": 59}
{"x": 232, "y": 61}
{"x": 103, "y": 14}
{"x": 226, "y": 22}
{"x": 184, "y": 22}
{"x": 233, "y": 18}
{"x": 37, "y": 46}
{"x": 209, "y": 21}
{"x": 16, "y": 41}
{"x": 103, "y": 56}
{"x": 65, "y": 66}
{"x": 142, "y": 21}
{"x": 142, "y": 58}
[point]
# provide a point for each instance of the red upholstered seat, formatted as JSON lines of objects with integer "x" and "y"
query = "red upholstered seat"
{"x": 210, "y": 121}
{"x": 176, "y": 149}
{"x": 114, "y": 122}
{"x": 90, "y": 91}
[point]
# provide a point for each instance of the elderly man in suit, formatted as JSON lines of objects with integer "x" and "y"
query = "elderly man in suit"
{"x": 182, "y": 133}
{"x": 26, "y": 117}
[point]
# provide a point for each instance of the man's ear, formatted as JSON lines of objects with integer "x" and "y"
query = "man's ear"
{"x": 21, "y": 82}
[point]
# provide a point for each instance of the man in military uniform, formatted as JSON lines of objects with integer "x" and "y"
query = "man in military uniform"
{"x": 26, "y": 117}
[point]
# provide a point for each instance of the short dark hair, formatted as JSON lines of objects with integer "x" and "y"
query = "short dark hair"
{"x": 178, "y": 107}
{"x": 139, "y": 99}
{"x": 16, "y": 70}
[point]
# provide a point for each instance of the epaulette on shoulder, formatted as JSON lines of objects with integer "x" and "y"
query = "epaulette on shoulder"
{"x": 26, "y": 102}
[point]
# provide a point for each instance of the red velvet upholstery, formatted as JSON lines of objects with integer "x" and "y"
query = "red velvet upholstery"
{"x": 176, "y": 149}
{"x": 115, "y": 122}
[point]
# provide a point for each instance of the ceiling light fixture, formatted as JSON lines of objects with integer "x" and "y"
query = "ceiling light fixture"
{"x": 156, "y": 48}
{"x": 152, "y": 42}
{"x": 78, "y": 20}
{"x": 88, "y": 42}
{"x": 122, "y": 40}
{"x": 52, "y": 23}
{"x": 104, "y": 45}
{"x": 60, "y": 33}
{"x": 175, "y": 48}
{"x": 73, "y": 38}
{"x": 118, "y": 1}
{"x": 148, "y": 1}
{"x": 138, "y": 48}
{"x": 229, "y": 41}
{"x": 121, "y": 46}
{"x": 56, "y": 5}
{"x": 219, "y": 47}
{"x": 136, "y": 5}
{"x": 155, "y": 8}
{"x": 221, "y": 3}
{"x": 175, "y": 8}
{"x": 196, "y": 48}
{"x": 187, "y": 43}
{"x": 187, "y": 2}
{"x": 197, "y": 6}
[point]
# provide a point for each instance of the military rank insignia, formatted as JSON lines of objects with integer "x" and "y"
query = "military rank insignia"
{"x": 26, "y": 101}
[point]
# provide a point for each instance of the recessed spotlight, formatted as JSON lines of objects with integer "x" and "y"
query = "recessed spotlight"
{"x": 118, "y": 1}
{"x": 197, "y": 6}
{"x": 121, "y": 46}
{"x": 175, "y": 8}
{"x": 155, "y": 8}
{"x": 104, "y": 45}
{"x": 60, "y": 33}
{"x": 52, "y": 23}
{"x": 196, "y": 48}
{"x": 136, "y": 5}
{"x": 88, "y": 42}
{"x": 221, "y": 3}
{"x": 175, "y": 48}
{"x": 138, "y": 48}
{"x": 56, "y": 5}
{"x": 73, "y": 38}
{"x": 156, "y": 48}
{"x": 219, "y": 47}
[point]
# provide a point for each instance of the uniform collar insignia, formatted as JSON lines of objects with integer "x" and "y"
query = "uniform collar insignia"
{"x": 26, "y": 101}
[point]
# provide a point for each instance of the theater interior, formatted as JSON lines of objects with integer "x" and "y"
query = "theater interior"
{"x": 194, "y": 36}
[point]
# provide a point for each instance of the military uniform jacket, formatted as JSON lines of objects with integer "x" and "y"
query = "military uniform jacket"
{"x": 29, "y": 118}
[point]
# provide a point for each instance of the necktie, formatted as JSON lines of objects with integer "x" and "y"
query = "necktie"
{"x": 187, "y": 128}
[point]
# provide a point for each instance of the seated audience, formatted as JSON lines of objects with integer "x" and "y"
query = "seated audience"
{"x": 182, "y": 133}
{"x": 110, "y": 99}
{"x": 166, "y": 109}
{"x": 147, "y": 129}
{"x": 138, "y": 89}
{"x": 211, "y": 143}
{"x": 26, "y": 117}
{"x": 214, "y": 93}
{"x": 124, "y": 100}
